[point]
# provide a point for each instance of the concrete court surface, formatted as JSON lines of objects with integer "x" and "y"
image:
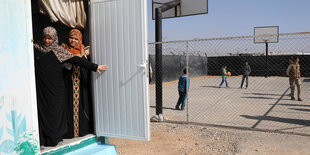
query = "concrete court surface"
{"x": 264, "y": 105}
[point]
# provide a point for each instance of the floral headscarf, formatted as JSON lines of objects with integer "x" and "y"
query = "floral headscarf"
{"x": 78, "y": 50}
{"x": 60, "y": 52}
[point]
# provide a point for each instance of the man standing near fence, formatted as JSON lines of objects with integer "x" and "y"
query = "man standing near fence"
{"x": 246, "y": 72}
{"x": 290, "y": 61}
{"x": 183, "y": 83}
{"x": 293, "y": 71}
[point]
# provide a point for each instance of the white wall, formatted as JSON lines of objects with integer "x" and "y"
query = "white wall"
{"x": 18, "y": 112}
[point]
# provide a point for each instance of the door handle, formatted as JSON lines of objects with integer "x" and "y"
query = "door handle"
{"x": 142, "y": 66}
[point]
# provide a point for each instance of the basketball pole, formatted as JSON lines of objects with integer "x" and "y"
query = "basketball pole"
{"x": 158, "y": 60}
{"x": 158, "y": 52}
{"x": 267, "y": 67}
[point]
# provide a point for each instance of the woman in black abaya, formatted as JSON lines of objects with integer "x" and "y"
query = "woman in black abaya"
{"x": 49, "y": 57}
{"x": 80, "y": 114}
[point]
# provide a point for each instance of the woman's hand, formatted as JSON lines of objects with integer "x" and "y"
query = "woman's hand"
{"x": 86, "y": 50}
{"x": 102, "y": 68}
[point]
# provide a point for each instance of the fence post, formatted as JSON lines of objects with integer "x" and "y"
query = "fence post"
{"x": 187, "y": 85}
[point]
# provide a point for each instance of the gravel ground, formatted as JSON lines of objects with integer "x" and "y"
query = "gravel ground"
{"x": 172, "y": 139}
{"x": 263, "y": 106}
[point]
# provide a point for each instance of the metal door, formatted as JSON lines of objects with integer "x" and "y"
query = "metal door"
{"x": 119, "y": 40}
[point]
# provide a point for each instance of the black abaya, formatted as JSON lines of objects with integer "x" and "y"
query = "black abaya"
{"x": 51, "y": 95}
{"x": 85, "y": 112}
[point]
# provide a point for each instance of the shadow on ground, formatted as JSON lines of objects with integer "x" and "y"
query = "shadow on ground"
{"x": 264, "y": 94}
{"x": 297, "y": 105}
{"x": 164, "y": 108}
{"x": 279, "y": 119}
{"x": 306, "y": 80}
{"x": 223, "y": 87}
{"x": 307, "y": 110}
{"x": 254, "y": 97}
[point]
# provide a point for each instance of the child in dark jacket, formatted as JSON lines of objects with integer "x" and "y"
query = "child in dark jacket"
{"x": 246, "y": 72}
{"x": 182, "y": 90}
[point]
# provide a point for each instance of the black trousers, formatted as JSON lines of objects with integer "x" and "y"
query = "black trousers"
{"x": 181, "y": 99}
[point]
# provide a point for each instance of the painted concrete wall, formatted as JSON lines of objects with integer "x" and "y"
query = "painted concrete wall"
{"x": 18, "y": 112}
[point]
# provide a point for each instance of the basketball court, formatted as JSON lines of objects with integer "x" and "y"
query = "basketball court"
{"x": 265, "y": 105}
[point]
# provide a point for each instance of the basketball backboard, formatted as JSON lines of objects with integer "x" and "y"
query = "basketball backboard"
{"x": 267, "y": 34}
{"x": 186, "y": 8}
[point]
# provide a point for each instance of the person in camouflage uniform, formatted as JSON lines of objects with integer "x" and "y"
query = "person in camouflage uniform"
{"x": 290, "y": 61}
{"x": 293, "y": 71}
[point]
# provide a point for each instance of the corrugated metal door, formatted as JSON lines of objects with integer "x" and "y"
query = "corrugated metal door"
{"x": 119, "y": 39}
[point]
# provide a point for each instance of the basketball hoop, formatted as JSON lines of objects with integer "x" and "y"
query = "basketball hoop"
{"x": 267, "y": 34}
{"x": 186, "y": 8}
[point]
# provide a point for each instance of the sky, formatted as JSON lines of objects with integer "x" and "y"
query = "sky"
{"x": 228, "y": 18}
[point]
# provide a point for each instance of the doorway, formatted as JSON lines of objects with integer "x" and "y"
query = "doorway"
{"x": 39, "y": 22}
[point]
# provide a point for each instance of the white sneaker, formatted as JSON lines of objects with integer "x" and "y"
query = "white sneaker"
{"x": 155, "y": 118}
{"x": 161, "y": 118}
{"x": 158, "y": 118}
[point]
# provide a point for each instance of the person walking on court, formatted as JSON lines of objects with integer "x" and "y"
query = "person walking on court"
{"x": 246, "y": 72}
{"x": 290, "y": 61}
{"x": 224, "y": 76}
{"x": 293, "y": 71}
{"x": 183, "y": 83}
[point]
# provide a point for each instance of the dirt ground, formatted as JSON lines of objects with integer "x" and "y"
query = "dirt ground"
{"x": 182, "y": 139}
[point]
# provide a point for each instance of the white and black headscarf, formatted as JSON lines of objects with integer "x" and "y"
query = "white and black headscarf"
{"x": 60, "y": 52}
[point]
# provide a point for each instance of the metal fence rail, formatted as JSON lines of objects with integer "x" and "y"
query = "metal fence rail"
{"x": 265, "y": 104}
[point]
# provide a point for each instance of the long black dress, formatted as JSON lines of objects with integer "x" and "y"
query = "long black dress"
{"x": 51, "y": 95}
{"x": 79, "y": 103}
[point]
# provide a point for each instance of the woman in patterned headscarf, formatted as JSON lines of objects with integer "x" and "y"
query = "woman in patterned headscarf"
{"x": 49, "y": 59}
{"x": 77, "y": 85}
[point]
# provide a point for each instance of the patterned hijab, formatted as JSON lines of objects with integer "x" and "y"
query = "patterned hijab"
{"x": 78, "y": 50}
{"x": 61, "y": 53}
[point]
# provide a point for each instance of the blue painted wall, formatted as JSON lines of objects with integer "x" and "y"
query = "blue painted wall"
{"x": 18, "y": 115}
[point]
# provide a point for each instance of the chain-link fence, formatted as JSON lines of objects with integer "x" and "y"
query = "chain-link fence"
{"x": 264, "y": 103}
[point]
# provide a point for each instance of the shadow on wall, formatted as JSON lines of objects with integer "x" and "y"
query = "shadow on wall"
{"x": 173, "y": 66}
{"x": 202, "y": 66}
{"x": 277, "y": 65}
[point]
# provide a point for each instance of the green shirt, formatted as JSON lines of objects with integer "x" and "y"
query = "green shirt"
{"x": 224, "y": 72}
